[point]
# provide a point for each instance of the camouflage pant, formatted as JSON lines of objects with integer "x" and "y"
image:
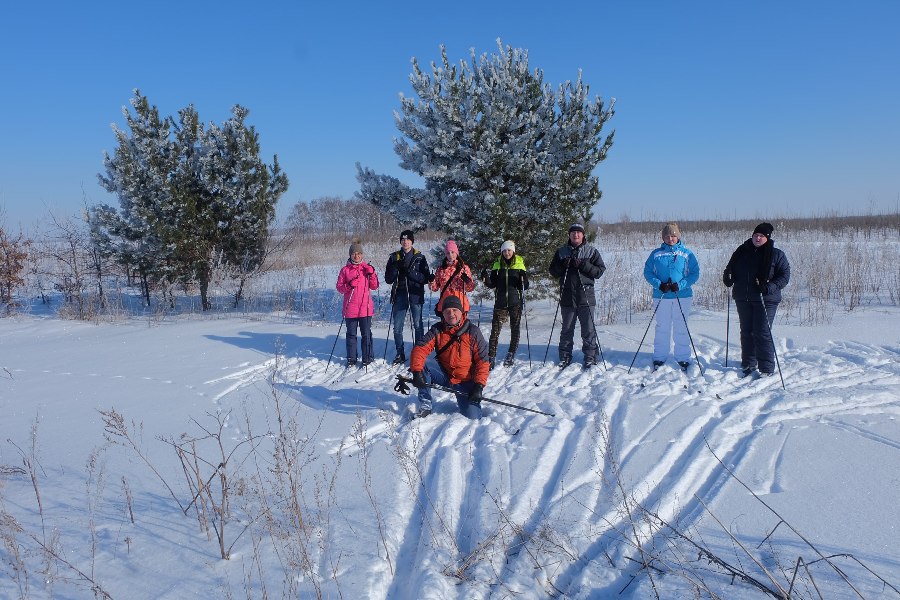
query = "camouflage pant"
{"x": 500, "y": 316}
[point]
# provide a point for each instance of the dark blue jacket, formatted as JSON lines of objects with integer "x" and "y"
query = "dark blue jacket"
{"x": 743, "y": 269}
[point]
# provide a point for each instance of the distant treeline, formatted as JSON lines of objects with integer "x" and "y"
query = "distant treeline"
{"x": 830, "y": 223}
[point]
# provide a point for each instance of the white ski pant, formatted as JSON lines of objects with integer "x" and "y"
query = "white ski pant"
{"x": 668, "y": 317}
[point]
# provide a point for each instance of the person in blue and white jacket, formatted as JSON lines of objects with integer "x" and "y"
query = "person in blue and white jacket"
{"x": 672, "y": 269}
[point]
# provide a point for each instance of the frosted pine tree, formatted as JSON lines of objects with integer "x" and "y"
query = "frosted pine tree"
{"x": 502, "y": 154}
{"x": 138, "y": 174}
{"x": 190, "y": 197}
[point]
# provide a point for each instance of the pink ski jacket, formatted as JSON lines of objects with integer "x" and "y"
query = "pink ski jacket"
{"x": 355, "y": 282}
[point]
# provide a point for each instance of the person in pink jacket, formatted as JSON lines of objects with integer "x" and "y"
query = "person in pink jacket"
{"x": 356, "y": 282}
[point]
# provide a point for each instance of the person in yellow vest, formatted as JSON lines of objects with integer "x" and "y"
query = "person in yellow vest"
{"x": 509, "y": 280}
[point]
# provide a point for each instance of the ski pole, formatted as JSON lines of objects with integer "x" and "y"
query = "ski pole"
{"x": 562, "y": 285}
{"x": 655, "y": 308}
{"x": 772, "y": 337}
{"x": 403, "y": 387}
{"x": 597, "y": 337}
{"x": 686, "y": 328}
{"x": 727, "y": 329}
{"x": 527, "y": 336}
{"x": 390, "y": 322}
{"x": 334, "y": 345}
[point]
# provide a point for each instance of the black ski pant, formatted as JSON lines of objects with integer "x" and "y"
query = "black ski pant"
{"x": 757, "y": 349}
{"x": 584, "y": 315}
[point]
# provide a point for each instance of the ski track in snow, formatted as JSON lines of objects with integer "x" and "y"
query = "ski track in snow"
{"x": 472, "y": 494}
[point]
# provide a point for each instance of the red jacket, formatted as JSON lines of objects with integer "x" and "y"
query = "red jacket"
{"x": 464, "y": 360}
{"x": 354, "y": 282}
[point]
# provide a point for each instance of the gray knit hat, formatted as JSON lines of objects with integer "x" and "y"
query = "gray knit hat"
{"x": 451, "y": 301}
{"x": 355, "y": 247}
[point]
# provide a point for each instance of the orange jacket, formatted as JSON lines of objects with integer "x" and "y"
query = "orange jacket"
{"x": 464, "y": 360}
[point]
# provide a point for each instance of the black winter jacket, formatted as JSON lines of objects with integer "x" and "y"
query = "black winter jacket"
{"x": 577, "y": 268}
{"x": 509, "y": 278}
{"x": 407, "y": 272}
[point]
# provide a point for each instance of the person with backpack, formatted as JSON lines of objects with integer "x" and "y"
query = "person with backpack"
{"x": 509, "y": 278}
{"x": 577, "y": 265}
{"x": 757, "y": 272}
{"x": 461, "y": 354}
{"x": 356, "y": 282}
{"x": 672, "y": 269}
{"x": 407, "y": 271}
{"x": 452, "y": 278}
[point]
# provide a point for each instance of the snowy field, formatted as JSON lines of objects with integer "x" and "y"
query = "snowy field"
{"x": 697, "y": 486}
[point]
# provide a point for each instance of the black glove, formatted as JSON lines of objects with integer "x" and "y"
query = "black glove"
{"x": 664, "y": 287}
{"x": 476, "y": 395}
{"x": 577, "y": 262}
{"x": 419, "y": 379}
{"x": 484, "y": 274}
{"x": 762, "y": 287}
{"x": 465, "y": 277}
{"x": 673, "y": 287}
{"x": 727, "y": 279}
{"x": 430, "y": 277}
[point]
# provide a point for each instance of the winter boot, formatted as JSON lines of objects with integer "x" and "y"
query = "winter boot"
{"x": 492, "y": 361}
{"x": 351, "y": 363}
{"x": 684, "y": 365}
{"x": 589, "y": 362}
{"x": 565, "y": 361}
{"x": 399, "y": 359}
{"x": 423, "y": 412}
{"x": 509, "y": 360}
{"x": 658, "y": 363}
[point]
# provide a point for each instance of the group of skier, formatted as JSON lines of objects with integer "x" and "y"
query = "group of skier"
{"x": 756, "y": 272}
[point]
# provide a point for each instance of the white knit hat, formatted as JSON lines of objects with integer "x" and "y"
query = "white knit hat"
{"x": 508, "y": 245}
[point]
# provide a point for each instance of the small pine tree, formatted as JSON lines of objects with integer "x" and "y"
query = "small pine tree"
{"x": 502, "y": 154}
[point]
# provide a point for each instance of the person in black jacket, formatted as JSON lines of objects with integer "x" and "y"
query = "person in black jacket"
{"x": 510, "y": 280}
{"x": 407, "y": 270}
{"x": 577, "y": 265}
{"x": 757, "y": 272}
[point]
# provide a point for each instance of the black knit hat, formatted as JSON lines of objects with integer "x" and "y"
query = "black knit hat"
{"x": 407, "y": 234}
{"x": 767, "y": 229}
{"x": 451, "y": 302}
{"x": 576, "y": 227}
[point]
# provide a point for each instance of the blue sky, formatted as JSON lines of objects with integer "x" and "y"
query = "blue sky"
{"x": 723, "y": 109}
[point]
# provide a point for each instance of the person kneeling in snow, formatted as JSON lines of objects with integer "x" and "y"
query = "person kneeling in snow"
{"x": 461, "y": 353}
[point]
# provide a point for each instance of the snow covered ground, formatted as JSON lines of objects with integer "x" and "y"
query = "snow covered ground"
{"x": 620, "y": 495}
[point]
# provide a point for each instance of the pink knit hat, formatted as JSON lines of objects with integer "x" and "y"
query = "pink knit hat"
{"x": 452, "y": 247}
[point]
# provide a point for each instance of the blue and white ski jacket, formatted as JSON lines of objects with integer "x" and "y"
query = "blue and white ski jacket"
{"x": 672, "y": 263}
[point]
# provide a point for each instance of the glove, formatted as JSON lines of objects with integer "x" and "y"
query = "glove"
{"x": 673, "y": 287}
{"x": 465, "y": 278}
{"x": 476, "y": 395}
{"x": 484, "y": 274}
{"x": 664, "y": 287}
{"x": 577, "y": 262}
{"x": 727, "y": 279}
{"x": 419, "y": 379}
{"x": 762, "y": 287}
{"x": 370, "y": 271}
{"x": 430, "y": 277}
